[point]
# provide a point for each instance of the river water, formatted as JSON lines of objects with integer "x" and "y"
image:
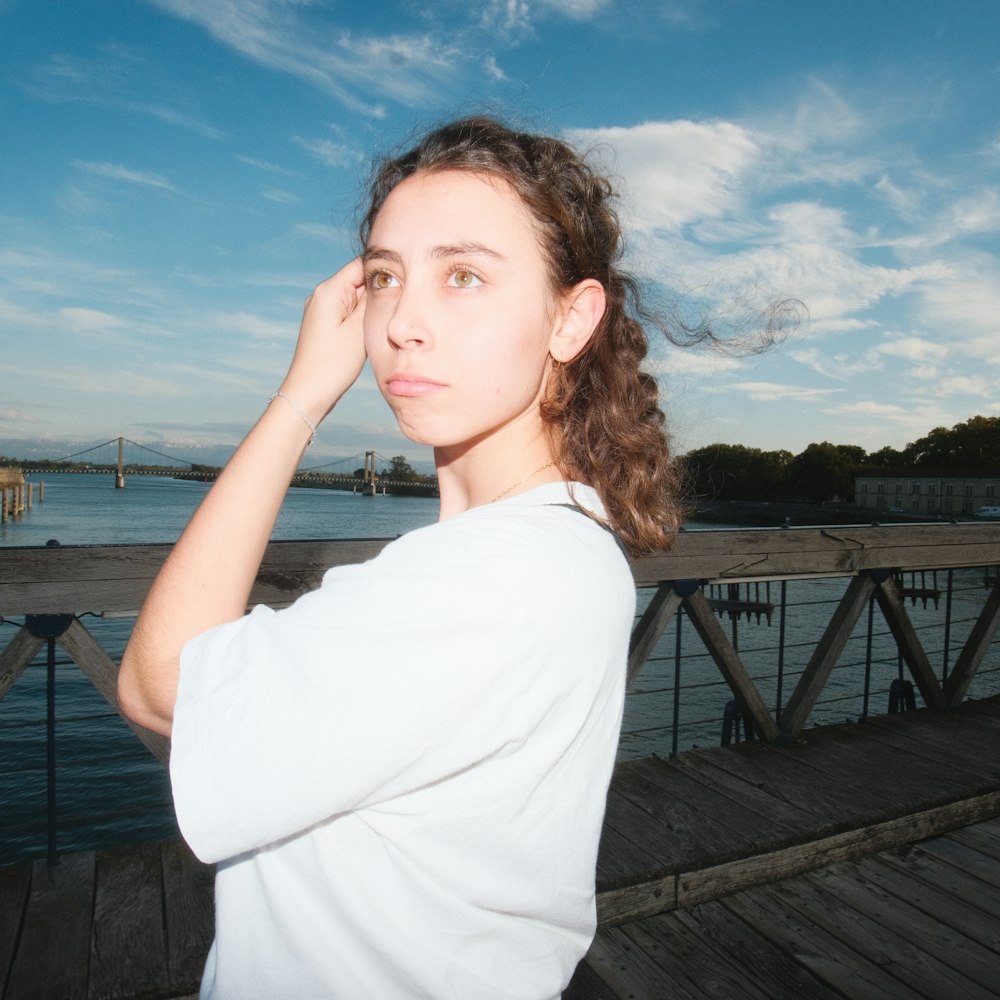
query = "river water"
{"x": 110, "y": 790}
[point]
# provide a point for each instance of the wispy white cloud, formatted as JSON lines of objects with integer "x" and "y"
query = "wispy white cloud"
{"x": 89, "y": 320}
{"x": 271, "y": 168}
{"x": 250, "y": 325}
{"x": 676, "y": 172}
{"x": 771, "y": 391}
{"x": 693, "y": 362}
{"x": 106, "y": 79}
{"x": 117, "y": 172}
{"x": 280, "y": 197}
{"x": 330, "y": 152}
{"x": 348, "y": 66}
{"x": 840, "y": 365}
{"x": 910, "y": 348}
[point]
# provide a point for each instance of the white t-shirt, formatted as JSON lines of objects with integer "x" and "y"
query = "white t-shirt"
{"x": 404, "y": 773}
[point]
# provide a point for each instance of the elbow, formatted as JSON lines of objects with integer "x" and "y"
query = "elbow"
{"x": 140, "y": 704}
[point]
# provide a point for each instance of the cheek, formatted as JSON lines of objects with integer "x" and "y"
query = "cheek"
{"x": 370, "y": 328}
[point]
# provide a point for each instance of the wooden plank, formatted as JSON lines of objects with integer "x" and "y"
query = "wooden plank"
{"x": 128, "y": 957}
{"x": 983, "y": 838}
{"x": 749, "y": 798}
{"x": 870, "y": 941}
{"x": 774, "y": 554}
{"x": 117, "y": 578}
{"x": 826, "y": 654}
{"x": 956, "y": 850}
{"x": 756, "y": 958}
{"x": 721, "y": 827}
{"x": 16, "y": 656}
{"x": 15, "y": 888}
{"x": 618, "y": 859}
{"x": 684, "y": 839}
{"x": 586, "y": 984}
{"x": 637, "y": 825}
{"x": 985, "y": 724}
{"x": 907, "y": 879}
{"x": 671, "y": 945}
{"x": 923, "y": 866}
{"x": 813, "y": 945}
{"x": 53, "y": 954}
{"x": 102, "y": 672}
{"x": 783, "y": 780}
{"x": 634, "y": 901}
{"x": 938, "y": 954}
{"x": 711, "y": 883}
{"x": 629, "y": 971}
{"x": 189, "y": 913}
{"x": 901, "y": 783}
{"x": 941, "y": 745}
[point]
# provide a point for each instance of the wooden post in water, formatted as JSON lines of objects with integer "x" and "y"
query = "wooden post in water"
{"x": 11, "y": 492}
{"x": 41, "y": 491}
{"x": 30, "y": 487}
{"x": 120, "y": 474}
{"x": 370, "y": 454}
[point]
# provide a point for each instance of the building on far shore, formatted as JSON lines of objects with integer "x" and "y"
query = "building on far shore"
{"x": 927, "y": 491}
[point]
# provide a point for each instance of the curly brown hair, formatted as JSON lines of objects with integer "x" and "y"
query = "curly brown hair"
{"x": 601, "y": 410}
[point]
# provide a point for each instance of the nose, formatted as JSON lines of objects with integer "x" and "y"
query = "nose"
{"x": 408, "y": 325}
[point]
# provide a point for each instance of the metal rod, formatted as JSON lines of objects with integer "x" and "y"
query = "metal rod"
{"x": 50, "y": 749}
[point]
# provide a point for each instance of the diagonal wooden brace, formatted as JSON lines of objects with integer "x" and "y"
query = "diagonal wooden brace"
{"x": 974, "y": 649}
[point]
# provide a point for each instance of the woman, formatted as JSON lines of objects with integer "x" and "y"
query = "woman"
{"x": 424, "y": 824}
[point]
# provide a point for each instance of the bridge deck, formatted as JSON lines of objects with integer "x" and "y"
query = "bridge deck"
{"x": 710, "y": 880}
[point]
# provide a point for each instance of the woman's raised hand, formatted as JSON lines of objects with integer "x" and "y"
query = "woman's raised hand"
{"x": 330, "y": 351}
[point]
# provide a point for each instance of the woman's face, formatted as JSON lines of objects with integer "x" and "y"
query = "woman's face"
{"x": 459, "y": 314}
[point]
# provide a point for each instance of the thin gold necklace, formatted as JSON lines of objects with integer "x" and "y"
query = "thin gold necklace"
{"x": 521, "y": 482}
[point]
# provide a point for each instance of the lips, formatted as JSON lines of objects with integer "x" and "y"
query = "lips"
{"x": 404, "y": 384}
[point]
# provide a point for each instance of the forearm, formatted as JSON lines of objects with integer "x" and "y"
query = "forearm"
{"x": 208, "y": 576}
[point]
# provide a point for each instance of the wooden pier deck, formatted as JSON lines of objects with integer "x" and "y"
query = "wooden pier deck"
{"x": 861, "y": 861}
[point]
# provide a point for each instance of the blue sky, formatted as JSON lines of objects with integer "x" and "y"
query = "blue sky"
{"x": 178, "y": 174}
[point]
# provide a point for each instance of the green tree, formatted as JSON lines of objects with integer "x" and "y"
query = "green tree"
{"x": 974, "y": 443}
{"x": 400, "y": 470}
{"x": 885, "y": 458}
{"x": 735, "y": 472}
{"x": 825, "y": 472}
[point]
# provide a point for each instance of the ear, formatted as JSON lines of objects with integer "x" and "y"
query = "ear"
{"x": 581, "y": 310}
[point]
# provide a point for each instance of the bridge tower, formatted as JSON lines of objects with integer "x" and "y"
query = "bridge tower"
{"x": 120, "y": 472}
{"x": 369, "y": 474}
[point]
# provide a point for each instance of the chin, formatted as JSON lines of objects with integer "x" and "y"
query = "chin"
{"x": 419, "y": 435}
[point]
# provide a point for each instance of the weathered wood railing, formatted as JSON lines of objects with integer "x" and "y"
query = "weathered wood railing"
{"x": 44, "y": 583}
{"x": 49, "y": 589}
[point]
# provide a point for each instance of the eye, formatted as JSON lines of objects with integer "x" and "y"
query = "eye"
{"x": 379, "y": 280}
{"x": 462, "y": 277}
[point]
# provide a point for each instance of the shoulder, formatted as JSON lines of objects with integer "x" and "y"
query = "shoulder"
{"x": 543, "y": 526}
{"x": 525, "y": 550}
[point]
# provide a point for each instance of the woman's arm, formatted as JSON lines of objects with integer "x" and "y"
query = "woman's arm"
{"x": 207, "y": 578}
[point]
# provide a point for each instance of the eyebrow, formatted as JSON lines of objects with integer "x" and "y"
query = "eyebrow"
{"x": 441, "y": 252}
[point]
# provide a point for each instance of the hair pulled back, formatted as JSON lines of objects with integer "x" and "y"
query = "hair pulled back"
{"x": 601, "y": 410}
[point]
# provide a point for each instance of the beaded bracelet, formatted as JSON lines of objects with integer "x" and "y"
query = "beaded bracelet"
{"x": 305, "y": 419}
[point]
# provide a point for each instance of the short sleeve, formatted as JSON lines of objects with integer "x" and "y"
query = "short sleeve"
{"x": 454, "y": 646}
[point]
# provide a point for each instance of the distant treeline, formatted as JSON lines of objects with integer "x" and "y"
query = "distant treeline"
{"x": 825, "y": 472}
{"x": 821, "y": 473}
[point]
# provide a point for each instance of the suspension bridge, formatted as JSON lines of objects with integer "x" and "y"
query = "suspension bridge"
{"x": 369, "y": 473}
